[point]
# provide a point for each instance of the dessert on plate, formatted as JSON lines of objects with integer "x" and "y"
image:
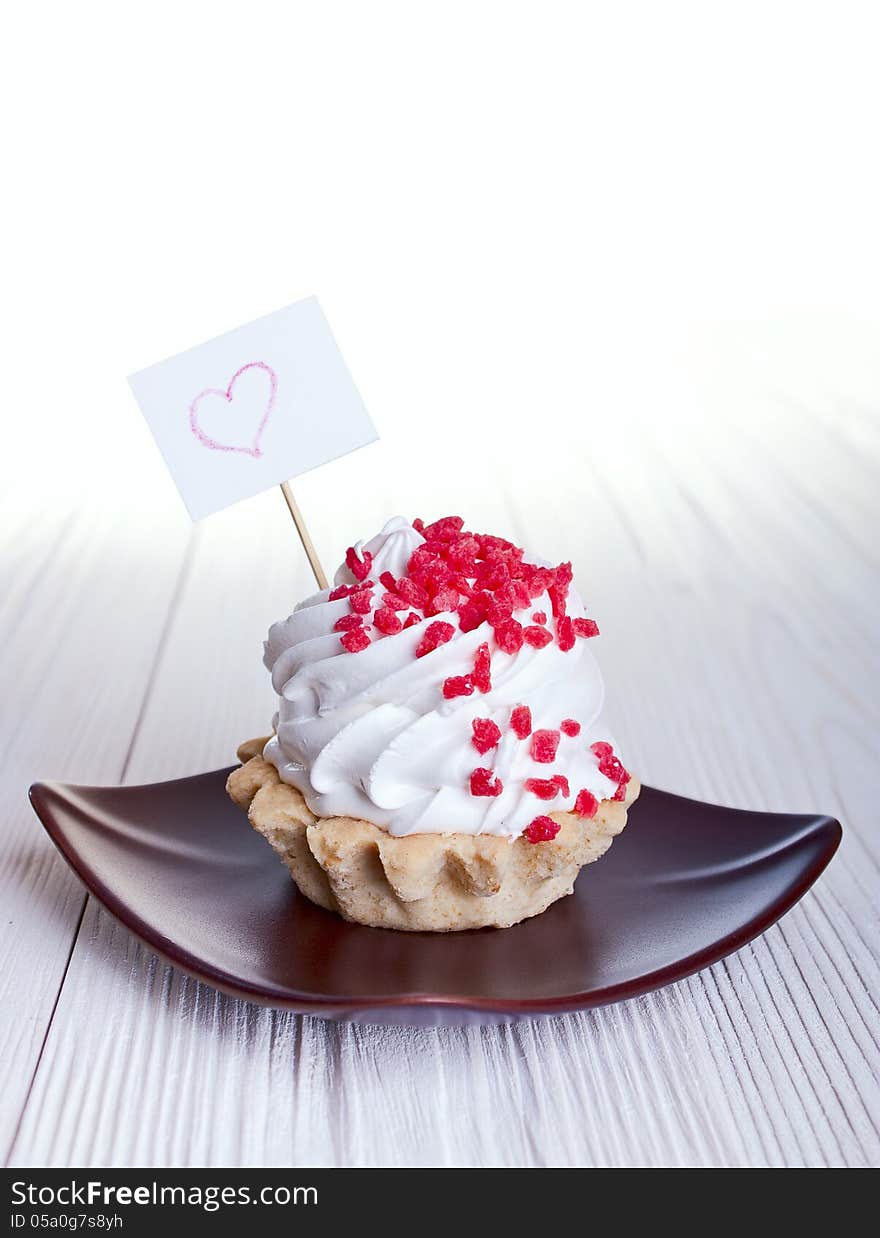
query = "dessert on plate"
{"x": 439, "y": 759}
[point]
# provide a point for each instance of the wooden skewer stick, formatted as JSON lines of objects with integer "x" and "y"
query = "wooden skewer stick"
{"x": 304, "y": 536}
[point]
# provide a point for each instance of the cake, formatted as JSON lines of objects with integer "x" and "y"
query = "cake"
{"x": 439, "y": 759}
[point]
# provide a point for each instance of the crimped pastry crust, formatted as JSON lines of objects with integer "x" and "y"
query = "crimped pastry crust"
{"x": 421, "y": 882}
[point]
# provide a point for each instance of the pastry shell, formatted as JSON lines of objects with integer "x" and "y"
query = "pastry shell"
{"x": 420, "y": 882}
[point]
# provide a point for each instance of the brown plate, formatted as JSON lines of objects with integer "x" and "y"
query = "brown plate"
{"x": 684, "y": 885}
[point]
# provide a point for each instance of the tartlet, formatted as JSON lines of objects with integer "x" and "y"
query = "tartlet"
{"x": 439, "y": 759}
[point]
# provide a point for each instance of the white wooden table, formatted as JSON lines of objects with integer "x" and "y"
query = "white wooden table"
{"x": 731, "y": 558}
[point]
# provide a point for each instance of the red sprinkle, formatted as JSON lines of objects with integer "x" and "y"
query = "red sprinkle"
{"x": 462, "y": 553}
{"x": 509, "y": 636}
{"x": 421, "y": 562}
{"x": 341, "y": 591}
{"x": 412, "y": 593}
{"x": 586, "y": 804}
{"x": 514, "y": 595}
{"x": 439, "y": 577}
{"x": 558, "y": 591}
{"x": 562, "y": 782}
{"x": 498, "y": 613}
{"x": 521, "y": 721}
{"x": 536, "y": 636}
{"x": 481, "y": 675}
{"x": 346, "y": 623}
{"x": 445, "y": 599}
{"x": 444, "y": 530}
{"x": 492, "y": 574}
{"x": 361, "y": 601}
{"x": 491, "y": 545}
{"x": 541, "y": 830}
{"x": 543, "y": 746}
{"x": 419, "y": 525}
{"x": 539, "y": 617}
{"x": 544, "y": 788}
{"x": 435, "y": 571}
{"x": 620, "y": 793}
{"x": 565, "y": 633}
{"x": 386, "y": 621}
{"x": 568, "y": 726}
{"x": 457, "y": 685}
{"x": 394, "y": 601}
{"x": 486, "y": 734}
{"x": 470, "y": 616}
{"x": 609, "y": 764}
{"x": 435, "y": 634}
{"x": 359, "y": 568}
{"x": 586, "y": 627}
{"x": 538, "y": 579}
{"x": 485, "y": 782}
{"x": 388, "y": 582}
{"x": 411, "y": 619}
{"x": 355, "y": 640}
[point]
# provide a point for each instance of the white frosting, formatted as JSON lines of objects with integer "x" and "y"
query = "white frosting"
{"x": 370, "y": 734}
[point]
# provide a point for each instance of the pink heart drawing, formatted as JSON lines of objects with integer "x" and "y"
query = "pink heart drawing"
{"x": 253, "y": 449}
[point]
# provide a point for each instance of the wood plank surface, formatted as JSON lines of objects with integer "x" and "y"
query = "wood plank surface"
{"x": 78, "y": 658}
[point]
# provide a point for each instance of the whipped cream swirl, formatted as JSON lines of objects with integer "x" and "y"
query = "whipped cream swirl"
{"x": 370, "y": 735}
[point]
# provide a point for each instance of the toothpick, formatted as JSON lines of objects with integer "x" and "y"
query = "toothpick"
{"x": 304, "y": 537}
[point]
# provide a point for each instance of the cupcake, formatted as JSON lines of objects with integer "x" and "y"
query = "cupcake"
{"x": 439, "y": 759}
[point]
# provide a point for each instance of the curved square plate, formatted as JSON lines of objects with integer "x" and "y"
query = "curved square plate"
{"x": 684, "y": 885}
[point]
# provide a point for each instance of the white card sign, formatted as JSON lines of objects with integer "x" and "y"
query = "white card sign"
{"x": 253, "y": 408}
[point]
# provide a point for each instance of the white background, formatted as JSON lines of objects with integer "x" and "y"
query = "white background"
{"x": 607, "y": 277}
{"x": 520, "y": 220}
